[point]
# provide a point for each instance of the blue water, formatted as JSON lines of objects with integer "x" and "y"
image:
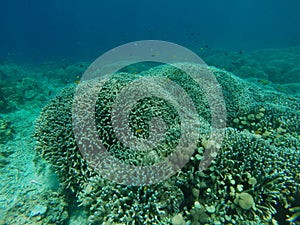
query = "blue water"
{"x": 36, "y": 31}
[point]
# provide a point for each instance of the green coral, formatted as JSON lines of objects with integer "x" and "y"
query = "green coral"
{"x": 295, "y": 217}
{"x": 257, "y": 157}
{"x": 244, "y": 200}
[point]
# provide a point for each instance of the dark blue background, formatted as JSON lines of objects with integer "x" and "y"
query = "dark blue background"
{"x": 35, "y": 30}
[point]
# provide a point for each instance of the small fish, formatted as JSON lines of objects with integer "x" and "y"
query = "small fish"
{"x": 138, "y": 130}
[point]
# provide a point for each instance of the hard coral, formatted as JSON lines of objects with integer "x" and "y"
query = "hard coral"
{"x": 244, "y": 200}
{"x": 258, "y": 155}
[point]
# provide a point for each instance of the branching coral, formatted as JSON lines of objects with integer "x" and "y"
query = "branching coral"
{"x": 253, "y": 172}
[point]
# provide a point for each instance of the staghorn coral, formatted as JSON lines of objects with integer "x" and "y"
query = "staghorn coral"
{"x": 258, "y": 156}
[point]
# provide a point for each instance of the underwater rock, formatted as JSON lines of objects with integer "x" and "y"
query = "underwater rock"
{"x": 38, "y": 210}
{"x": 37, "y": 207}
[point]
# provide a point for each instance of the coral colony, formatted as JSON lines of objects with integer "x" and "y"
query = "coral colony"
{"x": 252, "y": 180}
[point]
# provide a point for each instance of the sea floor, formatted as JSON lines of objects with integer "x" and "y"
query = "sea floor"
{"x": 25, "y": 192}
{"x": 24, "y": 92}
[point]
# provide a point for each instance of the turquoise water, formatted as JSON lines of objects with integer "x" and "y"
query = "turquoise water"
{"x": 250, "y": 48}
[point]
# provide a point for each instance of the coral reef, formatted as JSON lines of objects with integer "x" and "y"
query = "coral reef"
{"x": 13, "y": 96}
{"x": 295, "y": 217}
{"x": 254, "y": 172}
{"x": 6, "y": 131}
{"x": 22, "y": 86}
{"x": 279, "y": 66}
{"x": 247, "y": 180}
{"x": 48, "y": 207}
